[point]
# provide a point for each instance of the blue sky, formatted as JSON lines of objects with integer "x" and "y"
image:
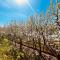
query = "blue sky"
{"x": 10, "y": 10}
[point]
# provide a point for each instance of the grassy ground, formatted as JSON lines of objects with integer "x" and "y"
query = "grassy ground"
{"x": 4, "y": 48}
